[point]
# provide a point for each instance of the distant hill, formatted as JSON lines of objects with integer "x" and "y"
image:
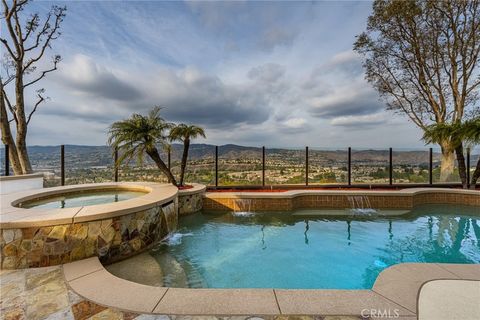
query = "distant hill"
{"x": 92, "y": 156}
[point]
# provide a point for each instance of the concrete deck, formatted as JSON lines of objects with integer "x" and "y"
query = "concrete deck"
{"x": 395, "y": 292}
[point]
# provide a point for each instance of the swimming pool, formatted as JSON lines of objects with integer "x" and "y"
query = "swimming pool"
{"x": 80, "y": 199}
{"x": 303, "y": 249}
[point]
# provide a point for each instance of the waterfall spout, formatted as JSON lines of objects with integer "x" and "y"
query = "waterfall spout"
{"x": 171, "y": 217}
{"x": 243, "y": 208}
{"x": 360, "y": 205}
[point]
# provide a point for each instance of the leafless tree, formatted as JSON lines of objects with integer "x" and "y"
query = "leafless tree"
{"x": 423, "y": 58}
{"x": 25, "y": 40}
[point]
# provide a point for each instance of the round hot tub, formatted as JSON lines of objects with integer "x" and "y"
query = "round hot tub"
{"x": 110, "y": 220}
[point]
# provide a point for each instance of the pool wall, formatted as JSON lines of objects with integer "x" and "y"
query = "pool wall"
{"x": 35, "y": 238}
{"x": 330, "y": 199}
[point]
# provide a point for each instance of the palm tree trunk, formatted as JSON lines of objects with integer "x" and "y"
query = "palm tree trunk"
{"x": 186, "y": 146}
{"x": 462, "y": 167}
{"x": 475, "y": 176}
{"x": 153, "y": 153}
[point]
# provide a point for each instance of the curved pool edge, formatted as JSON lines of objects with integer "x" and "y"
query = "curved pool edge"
{"x": 15, "y": 217}
{"x": 328, "y": 199}
{"x": 396, "y": 289}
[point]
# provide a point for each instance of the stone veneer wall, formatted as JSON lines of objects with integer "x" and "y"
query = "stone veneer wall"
{"x": 109, "y": 239}
{"x": 339, "y": 201}
{"x": 189, "y": 203}
{"x": 191, "y": 200}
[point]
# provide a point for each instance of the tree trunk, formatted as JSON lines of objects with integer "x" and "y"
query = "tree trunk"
{"x": 186, "y": 146}
{"x": 475, "y": 176}
{"x": 448, "y": 161}
{"x": 153, "y": 153}
{"x": 462, "y": 167}
{"x": 7, "y": 137}
{"x": 21, "y": 135}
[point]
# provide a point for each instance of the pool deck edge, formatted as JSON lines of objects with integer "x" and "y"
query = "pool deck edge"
{"x": 397, "y": 288}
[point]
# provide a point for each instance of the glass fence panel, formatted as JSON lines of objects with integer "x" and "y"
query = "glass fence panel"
{"x": 47, "y": 161}
{"x": 445, "y": 171}
{"x": 87, "y": 164}
{"x": 284, "y": 166}
{"x": 239, "y": 165}
{"x": 370, "y": 166}
{"x": 145, "y": 170}
{"x": 201, "y": 165}
{"x": 2, "y": 162}
{"x": 327, "y": 166}
{"x": 411, "y": 166}
{"x": 474, "y": 159}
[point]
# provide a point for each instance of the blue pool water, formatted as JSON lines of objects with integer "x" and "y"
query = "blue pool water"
{"x": 304, "y": 250}
{"x": 82, "y": 199}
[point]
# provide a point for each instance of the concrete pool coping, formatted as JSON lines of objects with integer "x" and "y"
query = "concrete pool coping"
{"x": 15, "y": 217}
{"x": 395, "y": 290}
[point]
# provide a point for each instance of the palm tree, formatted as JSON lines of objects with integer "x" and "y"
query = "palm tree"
{"x": 457, "y": 133}
{"x": 185, "y": 133}
{"x": 139, "y": 134}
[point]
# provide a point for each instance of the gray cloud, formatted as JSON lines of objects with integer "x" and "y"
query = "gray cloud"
{"x": 85, "y": 77}
{"x": 349, "y": 100}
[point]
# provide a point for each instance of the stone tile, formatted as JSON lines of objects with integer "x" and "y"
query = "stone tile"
{"x": 152, "y": 317}
{"x": 86, "y": 309}
{"x": 46, "y": 299}
{"x": 36, "y": 280}
{"x": 333, "y": 302}
{"x": 449, "y": 299}
{"x": 218, "y": 301}
{"x": 80, "y": 268}
{"x": 65, "y": 314}
{"x": 107, "y": 314}
{"x": 74, "y": 298}
{"x": 108, "y": 290}
{"x": 13, "y": 314}
{"x": 463, "y": 271}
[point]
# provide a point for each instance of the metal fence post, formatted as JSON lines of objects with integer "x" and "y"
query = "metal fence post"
{"x": 390, "y": 169}
{"x": 62, "y": 164}
{"x": 7, "y": 160}
{"x": 430, "y": 167}
{"x": 116, "y": 164}
{"x": 349, "y": 166}
{"x": 468, "y": 168}
{"x": 216, "y": 166}
{"x": 306, "y": 166}
{"x": 169, "y": 162}
{"x": 263, "y": 166}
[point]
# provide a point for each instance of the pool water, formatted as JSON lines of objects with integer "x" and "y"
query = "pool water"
{"x": 305, "y": 250}
{"x": 82, "y": 199}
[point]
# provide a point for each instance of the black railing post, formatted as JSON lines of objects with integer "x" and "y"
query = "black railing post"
{"x": 349, "y": 166}
{"x": 430, "y": 167}
{"x": 306, "y": 166}
{"x": 390, "y": 168}
{"x": 7, "y": 160}
{"x": 169, "y": 162}
{"x": 263, "y": 166}
{"x": 216, "y": 166}
{"x": 62, "y": 165}
{"x": 468, "y": 168}
{"x": 116, "y": 164}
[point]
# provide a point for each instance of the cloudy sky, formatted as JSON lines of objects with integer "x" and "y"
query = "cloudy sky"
{"x": 264, "y": 73}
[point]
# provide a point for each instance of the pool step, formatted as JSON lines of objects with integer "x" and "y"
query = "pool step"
{"x": 174, "y": 274}
{"x": 142, "y": 268}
